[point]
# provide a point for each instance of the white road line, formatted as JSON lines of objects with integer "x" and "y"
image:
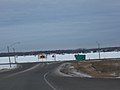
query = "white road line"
{"x": 45, "y": 75}
{"x": 22, "y": 71}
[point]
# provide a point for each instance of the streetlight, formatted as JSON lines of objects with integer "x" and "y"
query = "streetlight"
{"x": 15, "y": 51}
{"x": 9, "y": 56}
{"x": 98, "y": 49}
{"x": 14, "y": 55}
{"x": 8, "y": 48}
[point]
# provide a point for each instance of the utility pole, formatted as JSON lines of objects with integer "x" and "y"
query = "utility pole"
{"x": 9, "y": 56}
{"x": 99, "y": 50}
{"x": 14, "y": 55}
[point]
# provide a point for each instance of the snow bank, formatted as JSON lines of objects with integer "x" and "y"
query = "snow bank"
{"x": 67, "y": 70}
{"x": 103, "y": 55}
{"x": 59, "y": 57}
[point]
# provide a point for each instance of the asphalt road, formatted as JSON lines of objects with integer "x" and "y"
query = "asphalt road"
{"x": 42, "y": 77}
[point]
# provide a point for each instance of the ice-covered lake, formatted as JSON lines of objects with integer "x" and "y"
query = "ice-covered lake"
{"x": 59, "y": 57}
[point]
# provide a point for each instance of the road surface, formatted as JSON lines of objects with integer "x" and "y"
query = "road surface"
{"x": 42, "y": 77}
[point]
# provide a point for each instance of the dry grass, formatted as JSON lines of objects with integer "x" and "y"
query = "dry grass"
{"x": 100, "y": 69}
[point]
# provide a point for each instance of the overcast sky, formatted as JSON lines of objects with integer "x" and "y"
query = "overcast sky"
{"x": 59, "y": 24}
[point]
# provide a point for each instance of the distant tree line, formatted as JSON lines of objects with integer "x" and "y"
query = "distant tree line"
{"x": 69, "y": 51}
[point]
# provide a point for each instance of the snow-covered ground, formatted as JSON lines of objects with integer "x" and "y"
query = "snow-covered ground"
{"x": 67, "y": 70}
{"x": 59, "y": 57}
{"x": 103, "y": 55}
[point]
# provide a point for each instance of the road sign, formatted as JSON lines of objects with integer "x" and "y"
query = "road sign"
{"x": 41, "y": 56}
{"x": 80, "y": 57}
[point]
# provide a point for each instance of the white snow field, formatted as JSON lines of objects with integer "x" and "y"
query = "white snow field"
{"x": 59, "y": 57}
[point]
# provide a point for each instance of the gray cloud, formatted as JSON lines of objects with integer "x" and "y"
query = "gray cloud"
{"x": 56, "y": 24}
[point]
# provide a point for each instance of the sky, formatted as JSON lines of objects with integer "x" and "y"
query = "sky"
{"x": 59, "y": 24}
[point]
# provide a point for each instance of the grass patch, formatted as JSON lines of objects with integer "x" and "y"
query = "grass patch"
{"x": 99, "y": 69}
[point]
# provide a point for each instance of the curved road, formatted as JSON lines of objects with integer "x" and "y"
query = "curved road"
{"x": 42, "y": 77}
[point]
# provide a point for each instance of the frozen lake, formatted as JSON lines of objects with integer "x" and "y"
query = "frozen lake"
{"x": 59, "y": 57}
